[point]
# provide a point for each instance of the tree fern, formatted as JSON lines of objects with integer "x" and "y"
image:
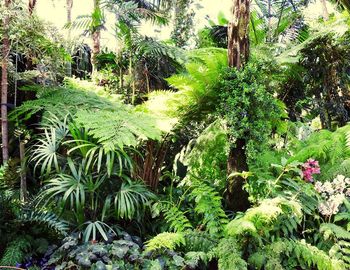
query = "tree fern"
{"x": 63, "y": 100}
{"x": 195, "y": 96}
{"x": 122, "y": 129}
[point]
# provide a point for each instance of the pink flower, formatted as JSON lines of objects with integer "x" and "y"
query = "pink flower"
{"x": 309, "y": 168}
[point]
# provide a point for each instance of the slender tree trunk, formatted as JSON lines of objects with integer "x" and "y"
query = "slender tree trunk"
{"x": 121, "y": 79}
{"x": 96, "y": 40}
{"x": 236, "y": 197}
{"x": 238, "y": 30}
{"x": 325, "y": 10}
{"x": 269, "y": 34}
{"x": 4, "y": 85}
{"x": 69, "y": 6}
{"x": 238, "y": 54}
{"x": 31, "y": 6}
{"x": 23, "y": 192}
{"x": 133, "y": 86}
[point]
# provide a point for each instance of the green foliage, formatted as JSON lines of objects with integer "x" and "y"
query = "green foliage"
{"x": 209, "y": 206}
{"x": 333, "y": 231}
{"x": 15, "y": 252}
{"x": 207, "y": 158}
{"x": 288, "y": 254}
{"x": 131, "y": 199}
{"x": 76, "y": 180}
{"x": 267, "y": 216}
{"x": 200, "y": 241}
{"x": 340, "y": 239}
{"x": 83, "y": 192}
{"x": 46, "y": 219}
{"x": 230, "y": 256}
{"x": 325, "y": 61}
{"x": 247, "y": 102}
{"x": 69, "y": 99}
{"x": 121, "y": 129}
{"x": 165, "y": 240}
{"x": 175, "y": 218}
{"x": 195, "y": 96}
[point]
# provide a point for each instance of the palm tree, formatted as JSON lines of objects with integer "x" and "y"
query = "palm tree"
{"x": 4, "y": 84}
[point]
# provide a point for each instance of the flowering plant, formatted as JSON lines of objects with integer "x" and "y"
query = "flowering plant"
{"x": 334, "y": 193}
{"x": 309, "y": 168}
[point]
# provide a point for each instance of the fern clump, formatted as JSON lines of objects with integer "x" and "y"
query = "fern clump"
{"x": 15, "y": 252}
{"x": 265, "y": 216}
{"x": 200, "y": 241}
{"x": 229, "y": 255}
{"x": 340, "y": 239}
{"x": 196, "y": 95}
{"x": 288, "y": 254}
{"x": 175, "y": 218}
{"x": 164, "y": 241}
{"x": 208, "y": 156}
{"x": 209, "y": 206}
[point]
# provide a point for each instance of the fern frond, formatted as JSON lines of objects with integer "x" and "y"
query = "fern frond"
{"x": 63, "y": 100}
{"x": 194, "y": 258}
{"x": 200, "y": 241}
{"x": 208, "y": 204}
{"x": 333, "y": 231}
{"x": 15, "y": 252}
{"x": 165, "y": 240}
{"x": 122, "y": 128}
{"x": 229, "y": 255}
{"x": 307, "y": 255}
{"x": 313, "y": 256}
{"x": 176, "y": 219}
{"x": 50, "y": 220}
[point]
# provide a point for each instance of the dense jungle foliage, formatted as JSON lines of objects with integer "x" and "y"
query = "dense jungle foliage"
{"x": 226, "y": 147}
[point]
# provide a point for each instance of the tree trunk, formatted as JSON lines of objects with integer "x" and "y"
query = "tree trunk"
{"x": 238, "y": 30}
{"x": 31, "y": 6}
{"x": 325, "y": 10}
{"x": 69, "y": 6}
{"x": 23, "y": 190}
{"x": 238, "y": 54}
{"x": 96, "y": 40}
{"x": 4, "y": 85}
{"x": 236, "y": 196}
